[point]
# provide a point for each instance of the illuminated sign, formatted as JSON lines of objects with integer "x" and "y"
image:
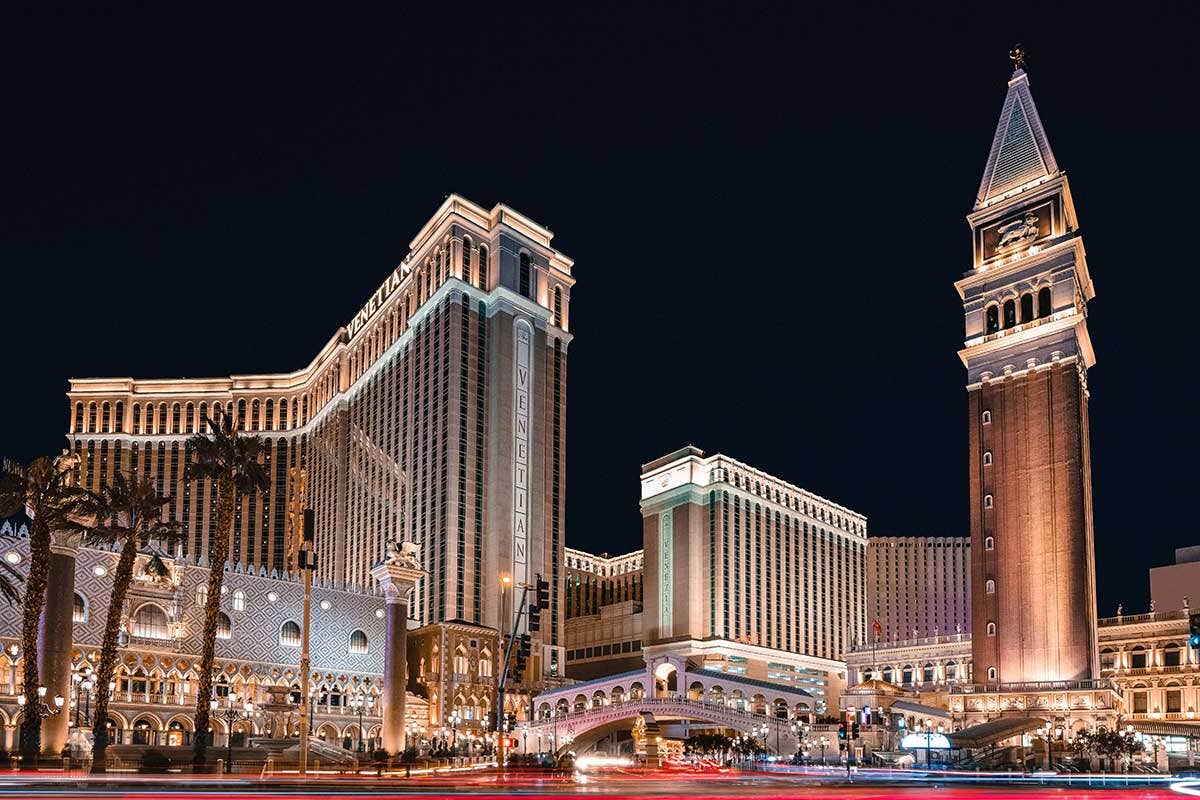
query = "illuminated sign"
{"x": 522, "y": 379}
{"x": 377, "y": 300}
{"x": 666, "y": 558}
{"x": 920, "y": 741}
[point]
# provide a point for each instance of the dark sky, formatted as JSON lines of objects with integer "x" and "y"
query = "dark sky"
{"x": 765, "y": 204}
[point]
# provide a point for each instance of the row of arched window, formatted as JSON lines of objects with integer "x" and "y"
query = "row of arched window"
{"x": 758, "y": 488}
{"x": 1013, "y": 312}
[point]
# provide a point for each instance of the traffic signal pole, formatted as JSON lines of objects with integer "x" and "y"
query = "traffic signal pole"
{"x": 532, "y": 611}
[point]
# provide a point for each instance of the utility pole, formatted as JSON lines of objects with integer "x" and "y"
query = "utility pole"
{"x": 307, "y": 564}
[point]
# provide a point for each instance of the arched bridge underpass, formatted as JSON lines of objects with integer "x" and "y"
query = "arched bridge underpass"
{"x": 580, "y": 730}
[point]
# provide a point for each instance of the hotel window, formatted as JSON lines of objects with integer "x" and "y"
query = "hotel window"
{"x": 466, "y": 259}
{"x": 269, "y": 424}
{"x": 189, "y": 424}
{"x": 991, "y": 673}
{"x": 79, "y": 609}
{"x": 1010, "y": 313}
{"x": 289, "y": 634}
{"x": 1137, "y": 659}
{"x": 150, "y": 621}
{"x": 987, "y": 418}
{"x": 989, "y": 543}
{"x": 224, "y": 626}
{"x": 991, "y": 629}
{"x": 987, "y": 458}
{"x": 1171, "y": 657}
{"x": 358, "y": 643}
{"x": 201, "y": 594}
{"x": 526, "y": 278}
{"x": 254, "y": 415}
{"x": 239, "y": 600}
{"x": 558, "y": 320}
{"x": 987, "y": 501}
{"x": 1026, "y": 308}
{"x": 137, "y": 417}
{"x": 1174, "y": 701}
{"x": 1139, "y": 702}
{"x": 990, "y": 586}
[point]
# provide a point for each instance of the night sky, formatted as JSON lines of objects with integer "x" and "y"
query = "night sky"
{"x": 765, "y": 205}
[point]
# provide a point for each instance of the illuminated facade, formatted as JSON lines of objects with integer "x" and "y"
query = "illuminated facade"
{"x": 603, "y": 608}
{"x": 918, "y": 586}
{"x": 258, "y": 646}
{"x": 436, "y": 415}
{"x": 1027, "y": 353}
{"x": 748, "y": 574}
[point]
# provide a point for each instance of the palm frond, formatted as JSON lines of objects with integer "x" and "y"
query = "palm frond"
{"x": 10, "y": 579}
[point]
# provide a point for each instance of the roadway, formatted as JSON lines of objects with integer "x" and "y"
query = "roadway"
{"x": 491, "y": 785}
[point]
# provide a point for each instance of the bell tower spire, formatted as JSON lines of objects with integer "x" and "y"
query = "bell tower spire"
{"x": 1020, "y": 151}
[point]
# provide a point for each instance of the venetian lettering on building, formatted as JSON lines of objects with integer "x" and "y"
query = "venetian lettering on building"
{"x": 522, "y": 360}
{"x": 666, "y": 557}
{"x": 377, "y": 300}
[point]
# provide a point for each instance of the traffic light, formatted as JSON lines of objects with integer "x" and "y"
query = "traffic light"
{"x": 854, "y": 730}
{"x": 535, "y": 618}
{"x": 491, "y": 721}
{"x": 543, "y": 593}
{"x": 510, "y": 720}
{"x": 842, "y": 731}
{"x": 1194, "y": 630}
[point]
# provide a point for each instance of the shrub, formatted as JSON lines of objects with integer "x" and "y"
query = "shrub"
{"x": 154, "y": 761}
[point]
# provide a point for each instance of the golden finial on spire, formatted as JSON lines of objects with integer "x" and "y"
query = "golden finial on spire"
{"x": 1017, "y": 56}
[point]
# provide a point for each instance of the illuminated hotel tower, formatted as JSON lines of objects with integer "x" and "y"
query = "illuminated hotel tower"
{"x": 437, "y": 414}
{"x": 1027, "y": 352}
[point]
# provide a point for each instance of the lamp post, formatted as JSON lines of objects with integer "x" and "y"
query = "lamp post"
{"x": 360, "y": 703}
{"x": 307, "y": 564}
{"x": 824, "y": 745}
{"x": 453, "y": 719}
{"x": 229, "y": 715}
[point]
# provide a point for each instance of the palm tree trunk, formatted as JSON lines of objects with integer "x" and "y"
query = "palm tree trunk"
{"x": 35, "y": 601}
{"x": 108, "y": 651}
{"x": 212, "y": 607}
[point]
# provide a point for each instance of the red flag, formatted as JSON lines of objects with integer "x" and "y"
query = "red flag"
{"x": 878, "y": 628}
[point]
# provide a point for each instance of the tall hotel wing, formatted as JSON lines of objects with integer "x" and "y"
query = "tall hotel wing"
{"x": 436, "y": 415}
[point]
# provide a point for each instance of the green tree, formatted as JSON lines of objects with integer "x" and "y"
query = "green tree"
{"x": 708, "y": 743}
{"x": 129, "y": 514}
{"x": 231, "y": 461}
{"x": 46, "y": 490}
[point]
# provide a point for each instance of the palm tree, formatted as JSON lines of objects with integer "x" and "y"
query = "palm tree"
{"x": 45, "y": 490}
{"x": 128, "y": 514}
{"x": 231, "y": 460}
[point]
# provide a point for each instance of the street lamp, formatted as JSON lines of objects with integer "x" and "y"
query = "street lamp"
{"x": 229, "y": 715}
{"x": 454, "y": 719}
{"x": 42, "y": 710}
{"x": 361, "y": 702}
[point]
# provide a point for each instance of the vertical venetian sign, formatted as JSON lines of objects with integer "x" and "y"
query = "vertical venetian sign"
{"x": 522, "y": 377}
{"x": 666, "y": 569}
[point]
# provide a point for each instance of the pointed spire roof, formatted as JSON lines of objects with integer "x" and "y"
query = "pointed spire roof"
{"x": 1020, "y": 150}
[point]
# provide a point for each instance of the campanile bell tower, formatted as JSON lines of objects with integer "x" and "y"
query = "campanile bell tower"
{"x": 1027, "y": 354}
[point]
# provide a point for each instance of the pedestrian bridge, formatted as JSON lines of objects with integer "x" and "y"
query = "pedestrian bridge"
{"x": 580, "y": 730}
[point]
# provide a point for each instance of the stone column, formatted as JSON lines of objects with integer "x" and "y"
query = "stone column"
{"x": 55, "y": 640}
{"x": 397, "y": 575}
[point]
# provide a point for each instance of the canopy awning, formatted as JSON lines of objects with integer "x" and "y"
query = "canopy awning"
{"x": 992, "y": 731}
{"x": 917, "y": 708}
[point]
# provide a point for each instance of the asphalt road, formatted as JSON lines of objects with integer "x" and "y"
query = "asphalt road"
{"x": 490, "y": 785}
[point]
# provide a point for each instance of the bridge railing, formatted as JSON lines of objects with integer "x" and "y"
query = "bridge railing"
{"x": 672, "y": 700}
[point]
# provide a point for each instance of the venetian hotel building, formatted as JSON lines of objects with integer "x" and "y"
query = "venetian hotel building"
{"x": 436, "y": 414}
